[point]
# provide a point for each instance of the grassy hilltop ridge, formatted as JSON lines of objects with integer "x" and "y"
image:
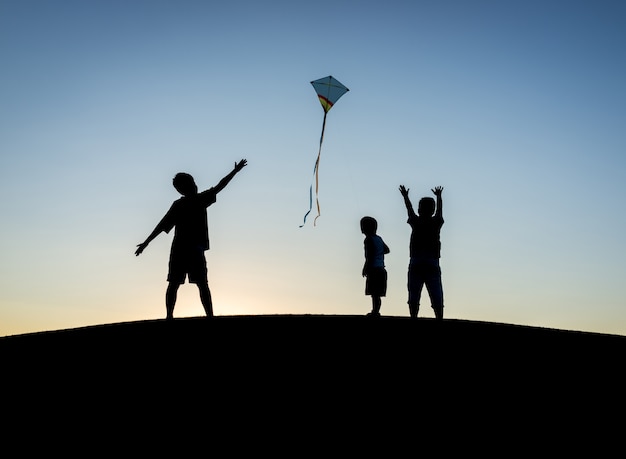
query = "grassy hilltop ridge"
{"x": 310, "y": 340}
{"x": 344, "y": 369}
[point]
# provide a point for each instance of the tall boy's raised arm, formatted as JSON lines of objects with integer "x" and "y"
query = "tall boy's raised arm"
{"x": 222, "y": 183}
{"x": 407, "y": 202}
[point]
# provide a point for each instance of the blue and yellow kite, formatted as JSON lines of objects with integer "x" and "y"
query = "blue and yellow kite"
{"x": 328, "y": 90}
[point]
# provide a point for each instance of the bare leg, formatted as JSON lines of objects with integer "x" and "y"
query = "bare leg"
{"x": 170, "y": 299}
{"x": 205, "y": 297}
{"x": 376, "y": 303}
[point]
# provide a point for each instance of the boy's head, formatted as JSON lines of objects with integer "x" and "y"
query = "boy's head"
{"x": 369, "y": 225}
{"x": 426, "y": 207}
{"x": 185, "y": 184}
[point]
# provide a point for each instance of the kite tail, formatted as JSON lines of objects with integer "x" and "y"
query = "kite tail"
{"x": 310, "y": 202}
{"x": 316, "y": 173}
{"x": 317, "y": 184}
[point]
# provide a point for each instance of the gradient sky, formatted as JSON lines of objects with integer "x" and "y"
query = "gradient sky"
{"x": 517, "y": 108}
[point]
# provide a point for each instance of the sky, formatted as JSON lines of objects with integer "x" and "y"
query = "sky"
{"x": 516, "y": 108}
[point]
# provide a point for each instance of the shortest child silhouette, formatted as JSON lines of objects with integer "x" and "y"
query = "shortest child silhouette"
{"x": 374, "y": 267}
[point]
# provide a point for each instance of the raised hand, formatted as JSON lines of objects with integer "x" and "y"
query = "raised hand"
{"x": 240, "y": 165}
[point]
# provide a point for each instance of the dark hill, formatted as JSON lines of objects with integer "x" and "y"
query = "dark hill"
{"x": 286, "y": 371}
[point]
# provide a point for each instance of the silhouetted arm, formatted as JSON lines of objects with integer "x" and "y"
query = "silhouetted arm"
{"x": 407, "y": 202}
{"x": 438, "y": 191}
{"x": 165, "y": 225}
{"x": 222, "y": 183}
{"x": 144, "y": 244}
{"x": 367, "y": 243}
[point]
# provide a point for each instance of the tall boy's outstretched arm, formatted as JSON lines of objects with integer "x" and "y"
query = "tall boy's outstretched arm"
{"x": 438, "y": 190}
{"x": 407, "y": 202}
{"x": 222, "y": 183}
{"x": 144, "y": 244}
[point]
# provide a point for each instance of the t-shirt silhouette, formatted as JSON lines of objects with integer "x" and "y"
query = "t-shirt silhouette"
{"x": 189, "y": 216}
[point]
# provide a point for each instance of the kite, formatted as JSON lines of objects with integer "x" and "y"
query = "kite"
{"x": 328, "y": 90}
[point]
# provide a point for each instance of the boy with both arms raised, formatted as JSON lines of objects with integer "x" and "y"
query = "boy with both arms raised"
{"x": 425, "y": 251}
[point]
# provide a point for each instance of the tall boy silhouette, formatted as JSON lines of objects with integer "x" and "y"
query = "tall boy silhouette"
{"x": 425, "y": 250}
{"x": 191, "y": 237}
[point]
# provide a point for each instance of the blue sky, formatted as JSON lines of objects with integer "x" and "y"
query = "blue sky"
{"x": 517, "y": 108}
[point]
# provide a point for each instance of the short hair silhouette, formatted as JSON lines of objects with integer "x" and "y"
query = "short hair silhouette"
{"x": 426, "y": 207}
{"x": 369, "y": 225}
{"x": 185, "y": 184}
